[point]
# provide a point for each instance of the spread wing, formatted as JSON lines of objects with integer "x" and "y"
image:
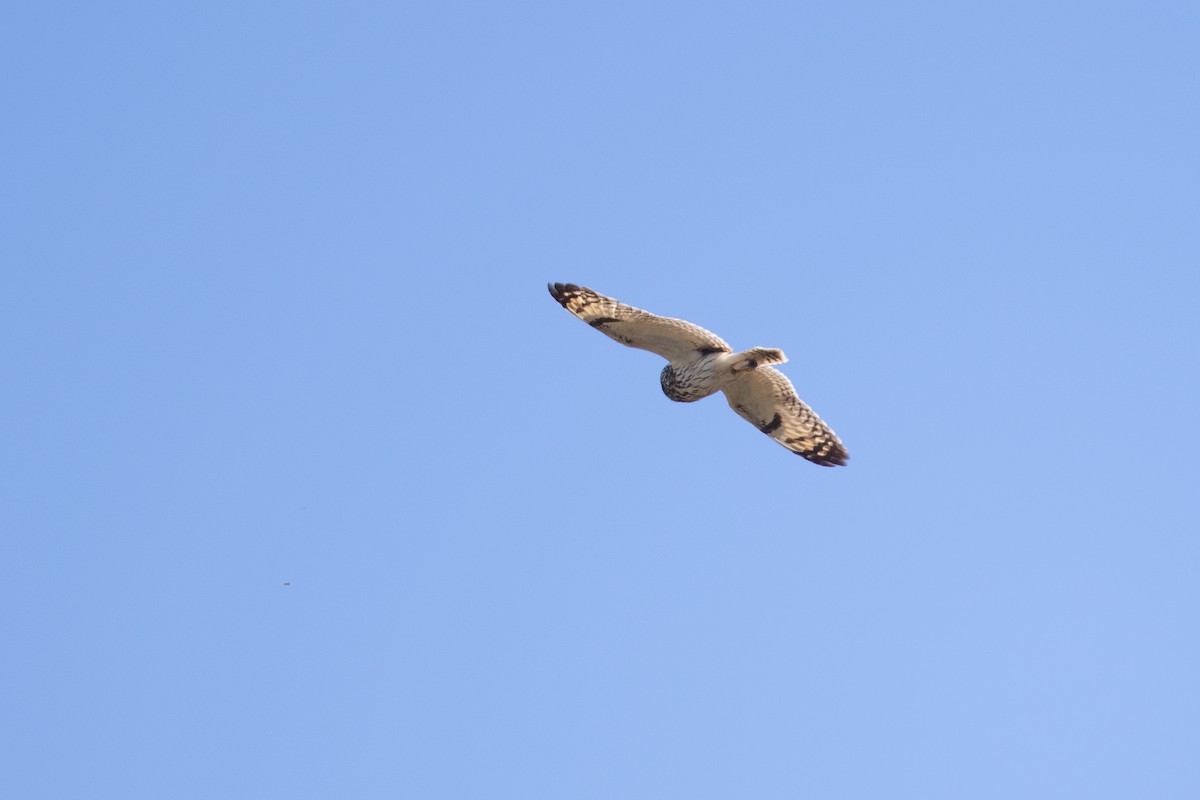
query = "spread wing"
{"x": 673, "y": 339}
{"x": 765, "y": 398}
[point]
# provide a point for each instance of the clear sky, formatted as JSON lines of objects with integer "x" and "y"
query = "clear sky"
{"x": 274, "y": 312}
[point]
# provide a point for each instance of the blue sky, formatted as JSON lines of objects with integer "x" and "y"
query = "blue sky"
{"x": 274, "y": 310}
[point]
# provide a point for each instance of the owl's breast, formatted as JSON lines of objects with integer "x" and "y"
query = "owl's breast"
{"x": 688, "y": 381}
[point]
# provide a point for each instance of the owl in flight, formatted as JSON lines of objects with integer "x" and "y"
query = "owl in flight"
{"x": 701, "y": 363}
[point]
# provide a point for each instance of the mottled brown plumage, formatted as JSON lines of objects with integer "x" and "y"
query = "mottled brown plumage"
{"x": 701, "y": 363}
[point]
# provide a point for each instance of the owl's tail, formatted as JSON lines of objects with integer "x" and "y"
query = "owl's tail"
{"x": 758, "y": 357}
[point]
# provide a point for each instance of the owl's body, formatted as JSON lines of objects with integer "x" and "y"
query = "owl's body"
{"x": 700, "y": 364}
{"x": 687, "y": 381}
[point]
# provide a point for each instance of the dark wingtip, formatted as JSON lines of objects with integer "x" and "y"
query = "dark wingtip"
{"x": 562, "y": 291}
{"x": 837, "y": 458}
{"x": 834, "y": 456}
